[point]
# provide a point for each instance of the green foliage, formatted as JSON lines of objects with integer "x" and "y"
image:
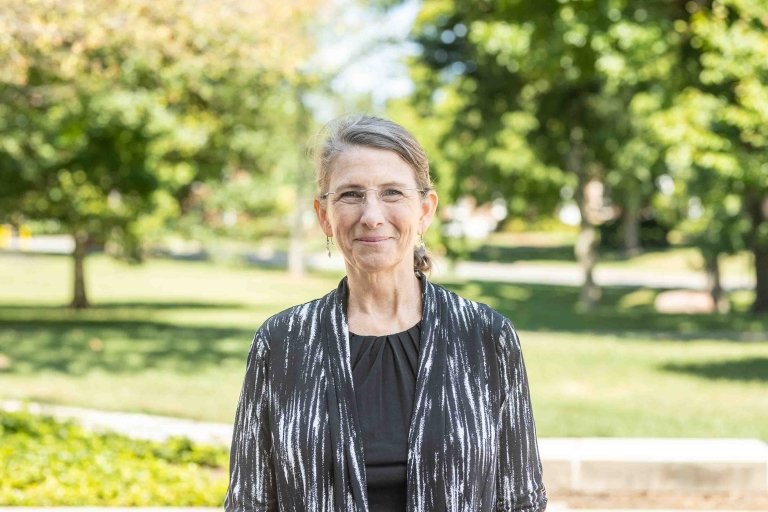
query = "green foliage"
{"x": 652, "y": 234}
{"x": 171, "y": 338}
{"x": 714, "y": 132}
{"x": 53, "y": 463}
{"x": 113, "y": 112}
{"x": 523, "y": 97}
{"x": 520, "y": 82}
{"x": 536, "y": 101}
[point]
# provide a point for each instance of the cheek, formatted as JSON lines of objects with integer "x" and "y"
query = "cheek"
{"x": 340, "y": 223}
{"x": 408, "y": 225}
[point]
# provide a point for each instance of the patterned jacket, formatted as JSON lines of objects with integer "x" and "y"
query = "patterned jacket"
{"x": 297, "y": 444}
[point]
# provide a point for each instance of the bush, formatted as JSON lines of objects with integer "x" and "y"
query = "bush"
{"x": 52, "y": 463}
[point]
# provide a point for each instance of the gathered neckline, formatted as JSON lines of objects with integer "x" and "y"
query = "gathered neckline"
{"x": 406, "y": 331}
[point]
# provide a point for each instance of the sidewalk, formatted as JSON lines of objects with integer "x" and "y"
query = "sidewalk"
{"x": 562, "y": 274}
{"x": 591, "y": 466}
{"x": 141, "y": 426}
{"x": 565, "y": 274}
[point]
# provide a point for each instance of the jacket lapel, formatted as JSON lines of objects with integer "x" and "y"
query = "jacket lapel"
{"x": 426, "y": 432}
{"x": 426, "y": 435}
{"x": 346, "y": 439}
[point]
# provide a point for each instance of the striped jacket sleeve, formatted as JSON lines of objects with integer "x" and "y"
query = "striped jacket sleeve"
{"x": 519, "y": 484}
{"x": 251, "y": 470}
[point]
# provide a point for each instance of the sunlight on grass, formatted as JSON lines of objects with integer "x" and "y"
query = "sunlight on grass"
{"x": 642, "y": 297}
{"x": 557, "y": 249}
{"x": 172, "y": 337}
{"x": 611, "y": 386}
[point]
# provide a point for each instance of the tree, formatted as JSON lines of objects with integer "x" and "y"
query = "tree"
{"x": 716, "y": 132}
{"x": 542, "y": 96}
{"x": 114, "y": 107}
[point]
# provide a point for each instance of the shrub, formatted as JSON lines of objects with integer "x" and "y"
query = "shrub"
{"x": 52, "y": 463}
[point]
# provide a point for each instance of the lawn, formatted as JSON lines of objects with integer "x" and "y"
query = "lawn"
{"x": 557, "y": 249}
{"x": 171, "y": 337}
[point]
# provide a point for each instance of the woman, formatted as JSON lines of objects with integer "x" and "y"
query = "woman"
{"x": 388, "y": 393}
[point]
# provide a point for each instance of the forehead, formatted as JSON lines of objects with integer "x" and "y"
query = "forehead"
{"x": 366, "y": 167}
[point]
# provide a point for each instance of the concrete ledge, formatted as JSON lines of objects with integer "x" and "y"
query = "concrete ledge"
{"x": 579, "y": 465}
{"x": 141, "y": 426}
{"x": 696, "y": 465}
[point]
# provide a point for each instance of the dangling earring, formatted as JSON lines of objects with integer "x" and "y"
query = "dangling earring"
{"x": 328, "y": 244}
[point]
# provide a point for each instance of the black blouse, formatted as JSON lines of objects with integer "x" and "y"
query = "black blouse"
{"x": 384, "y": 370}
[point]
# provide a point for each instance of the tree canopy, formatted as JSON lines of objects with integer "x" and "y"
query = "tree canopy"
{"x": 536, "y": 101}
{"x": 111, "y": 109}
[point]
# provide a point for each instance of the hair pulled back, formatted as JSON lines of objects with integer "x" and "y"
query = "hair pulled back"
{"x": 348, "y": 132}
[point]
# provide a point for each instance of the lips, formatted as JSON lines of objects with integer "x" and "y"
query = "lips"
{"x": 372, "y": 239}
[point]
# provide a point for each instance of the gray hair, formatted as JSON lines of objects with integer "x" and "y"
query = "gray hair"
{"x": 348, "y": 132}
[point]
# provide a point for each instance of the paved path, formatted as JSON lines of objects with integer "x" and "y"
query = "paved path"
{"x": 565, "y": 274}
{"x": 592, "y": 465}
{"x": 141, "y": 426}
{"x": 570, "y": 274}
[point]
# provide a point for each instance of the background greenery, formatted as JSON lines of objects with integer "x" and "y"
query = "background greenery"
{"x": 133, "y": 120}
{"x": 146, "y": 127}
{"x": 171, "y": 337}
{"x": 48, "y": 462}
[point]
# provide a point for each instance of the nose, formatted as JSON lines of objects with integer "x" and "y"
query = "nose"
{"x": 372, "y": 214}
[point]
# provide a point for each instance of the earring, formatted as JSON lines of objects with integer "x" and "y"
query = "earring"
{"x": 328, "y": 244}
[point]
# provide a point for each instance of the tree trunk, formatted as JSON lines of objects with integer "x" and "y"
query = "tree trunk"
{"x": 714, "y": 282}
{"x": 758, "y": 213}
{"x": 296, "y": 247}
{"x": 631, "y": 220}
{"x": 586, "y": 255}
{"x": 761, "y": 279}
{"x": 588, "y": 238}
{"x": 79, "y": 298}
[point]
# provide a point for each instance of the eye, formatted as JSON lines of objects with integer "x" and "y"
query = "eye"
{"x": 392, "y": 194}
{"x": 351, "y": 195}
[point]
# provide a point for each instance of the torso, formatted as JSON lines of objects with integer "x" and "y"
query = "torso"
{"x": 384, "y": 371}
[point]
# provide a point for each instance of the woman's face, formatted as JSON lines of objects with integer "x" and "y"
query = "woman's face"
{"x": 375, "y": 231}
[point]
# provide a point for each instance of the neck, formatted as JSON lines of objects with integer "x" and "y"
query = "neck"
{"x": 383, "y": 302}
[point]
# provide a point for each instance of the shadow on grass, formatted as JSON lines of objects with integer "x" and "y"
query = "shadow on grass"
{"x": 754, "y": 369}
{"x": 509, "y": 254}
{"x": 133, "y": 337}
{"x": 120, "y": 337}
{"x": 111, "y": 306}
{"x": 622, "y": 310}
{"x": 118, "y": 346}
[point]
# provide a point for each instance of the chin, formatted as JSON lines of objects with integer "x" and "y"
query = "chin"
{"x": 375, "y": 263}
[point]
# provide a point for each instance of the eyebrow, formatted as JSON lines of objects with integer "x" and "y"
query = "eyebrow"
{"x": 353, "y": 186}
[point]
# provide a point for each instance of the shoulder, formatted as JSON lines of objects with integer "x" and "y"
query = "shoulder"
{"x": 292, "y": 318}
{"x": 470, "y": 310}
{"x": 301, "y": 318}
{"x": 494, "y": 325}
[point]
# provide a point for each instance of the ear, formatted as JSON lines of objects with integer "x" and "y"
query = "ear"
{"x": 428, "y": 208}
{"x": 322, "y": 217}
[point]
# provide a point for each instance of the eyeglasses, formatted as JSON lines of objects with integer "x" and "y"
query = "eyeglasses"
{"x": 385, "y": 195}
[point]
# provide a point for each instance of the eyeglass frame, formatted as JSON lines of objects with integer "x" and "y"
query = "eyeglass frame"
{"x": 365, "y": 191}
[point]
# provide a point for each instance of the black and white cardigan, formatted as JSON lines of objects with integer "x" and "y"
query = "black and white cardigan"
{"x": 297, "y": 444}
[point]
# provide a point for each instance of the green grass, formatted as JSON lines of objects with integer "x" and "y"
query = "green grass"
{"x": 166, "y": 337}
{"x": 557, "y": 249}
{"x": 171, "y": 337}
{"x": 585, "y": 385}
